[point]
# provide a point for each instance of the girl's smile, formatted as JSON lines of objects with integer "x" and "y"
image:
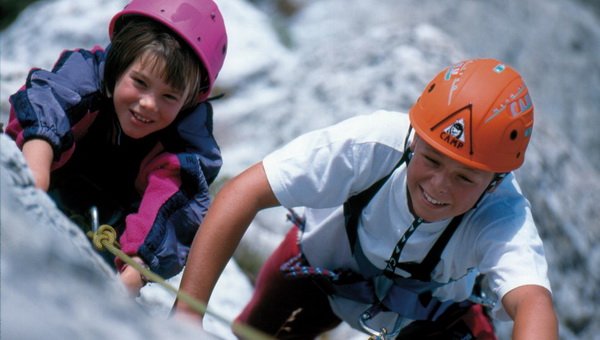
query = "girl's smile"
{"x": 140, "y": 118}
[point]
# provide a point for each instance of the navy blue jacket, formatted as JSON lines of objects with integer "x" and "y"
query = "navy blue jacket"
{"x": 154, "y": 190}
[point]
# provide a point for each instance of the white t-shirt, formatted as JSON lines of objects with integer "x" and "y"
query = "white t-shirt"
{"x": 322, "y": 169}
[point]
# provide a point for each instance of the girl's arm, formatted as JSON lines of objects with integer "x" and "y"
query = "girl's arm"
{"x": 38, "y": 154}
{"x": 51, "y": 103}
{"x": 226, "y": 221}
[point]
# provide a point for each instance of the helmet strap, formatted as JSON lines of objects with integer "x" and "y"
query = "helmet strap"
{"x": 408, "y": 145}
{"x": 498, "y": 177}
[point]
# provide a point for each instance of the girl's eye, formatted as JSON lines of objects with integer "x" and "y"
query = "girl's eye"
{"x": 171, "y": 97}
{"x": 139, "y": 81}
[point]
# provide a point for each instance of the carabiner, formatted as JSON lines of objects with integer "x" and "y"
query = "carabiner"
{"x": 94, "y": 218}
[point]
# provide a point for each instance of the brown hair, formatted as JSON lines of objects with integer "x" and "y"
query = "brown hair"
{"x": 160, "y": 49}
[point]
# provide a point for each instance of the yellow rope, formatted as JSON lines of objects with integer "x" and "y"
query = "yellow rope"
{"x": 105, "y": 239}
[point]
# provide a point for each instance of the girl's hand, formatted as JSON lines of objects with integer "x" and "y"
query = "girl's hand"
{"x": 132, "y": 279}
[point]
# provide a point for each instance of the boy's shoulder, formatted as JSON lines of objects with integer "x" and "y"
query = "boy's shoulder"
{"x": 504, "y": 207}
{"x": 378, "y": 125}
{"x": 383, "y": 116}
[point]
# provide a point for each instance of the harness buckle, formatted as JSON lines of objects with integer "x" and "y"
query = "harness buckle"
{"x": 373, "y": 334}
{"x": 383, "y": 333}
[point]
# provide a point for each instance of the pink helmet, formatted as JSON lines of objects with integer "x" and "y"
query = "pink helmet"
{"x": 198, "y": 22}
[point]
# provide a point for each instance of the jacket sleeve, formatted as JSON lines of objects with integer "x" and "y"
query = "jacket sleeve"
{"x": 51, "y": 103}
{"x": 175, "y": 194}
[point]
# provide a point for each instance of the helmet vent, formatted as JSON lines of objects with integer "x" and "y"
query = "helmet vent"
{"x": 213, "y": 16}
{"x": 431, "y": 88}
{"x": 513, "y": 135}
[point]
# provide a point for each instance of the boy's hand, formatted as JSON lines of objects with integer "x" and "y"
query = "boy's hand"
{"x": 183, "y": 312}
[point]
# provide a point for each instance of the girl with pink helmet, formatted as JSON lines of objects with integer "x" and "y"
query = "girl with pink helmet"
{"x": 126, "y": 131}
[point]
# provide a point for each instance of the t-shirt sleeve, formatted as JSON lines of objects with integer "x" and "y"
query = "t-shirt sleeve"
{"x": 512, "y": 251}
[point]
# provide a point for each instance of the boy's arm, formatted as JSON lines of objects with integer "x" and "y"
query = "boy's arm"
{"x": 226, "y": 221}
{"x": 533, "y": 313}
{"x": 39, "y": 155}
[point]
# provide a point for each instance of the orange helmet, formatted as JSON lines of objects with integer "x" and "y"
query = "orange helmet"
{"x": 479, "y": 113}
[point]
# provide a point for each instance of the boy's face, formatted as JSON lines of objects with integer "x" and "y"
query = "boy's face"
{"x": 144, "y": 103}
{"x": 441, "y": 187}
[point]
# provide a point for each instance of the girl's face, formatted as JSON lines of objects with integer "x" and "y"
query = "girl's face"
{"x": 441, "y": 187}
{"x": 144, "y": 103}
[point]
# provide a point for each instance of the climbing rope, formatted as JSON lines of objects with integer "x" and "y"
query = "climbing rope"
{"x": 105, "y": 238}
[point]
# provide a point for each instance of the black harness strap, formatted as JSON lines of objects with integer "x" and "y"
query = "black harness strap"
{"x": 422, "y": 271}
{"x": 354, "y": 206}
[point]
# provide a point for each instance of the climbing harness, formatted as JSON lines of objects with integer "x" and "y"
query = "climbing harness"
{"x": 408, "y": 294}
{"x": 403, "y": 288}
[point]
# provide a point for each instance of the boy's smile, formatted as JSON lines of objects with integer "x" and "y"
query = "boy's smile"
{"x": 433, "y": 200}
{"x": 440, "y": 187}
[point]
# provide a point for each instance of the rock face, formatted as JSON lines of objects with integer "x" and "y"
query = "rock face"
{"x": 288, "y": 74}
{"x": 54, "y": 285}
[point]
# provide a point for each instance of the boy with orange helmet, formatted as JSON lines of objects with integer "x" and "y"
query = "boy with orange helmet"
{"x": 397, "y": 227}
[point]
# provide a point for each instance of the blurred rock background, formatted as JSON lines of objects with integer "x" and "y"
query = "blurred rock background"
{"x": 297, "y": 65}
